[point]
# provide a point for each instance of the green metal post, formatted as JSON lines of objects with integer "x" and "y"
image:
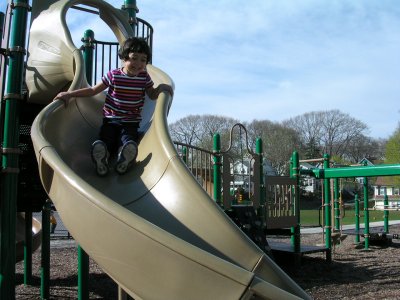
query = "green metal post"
{"x": 184, "y": 154}
{"x": 45, "y": 265}
{"x": 336, "y": 203}
{"x": 366, "y": 213}
{"x": 88, "y": 46}
{"x": 131, "y": 8}
{"x": 295, "y": 230}
{"x": 297, "y": 177}
{"x": 83, "y": 257}
{"x": 259, "y": 152}
{"x": 357, "y": 218}
{"x": 83, "y": 274}
{"x": 28, "y": 249}
{"x": 9, "y": 179}
{"x": 327, "y": 210}
{"x": 217, "y": 168}
{"x": 386, "y": 213}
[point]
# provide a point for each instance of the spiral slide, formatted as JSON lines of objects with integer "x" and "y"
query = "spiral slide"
{"x": 20, "y": 235}
{"x": 154, "y": 230}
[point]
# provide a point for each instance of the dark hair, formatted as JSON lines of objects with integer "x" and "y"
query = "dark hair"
{"x": 136, "y": 45}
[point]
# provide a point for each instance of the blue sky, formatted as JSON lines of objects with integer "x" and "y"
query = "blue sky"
{"x": 268, "y": 59}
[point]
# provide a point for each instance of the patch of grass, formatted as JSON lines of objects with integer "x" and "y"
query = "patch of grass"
{"x": 312, "y": 217}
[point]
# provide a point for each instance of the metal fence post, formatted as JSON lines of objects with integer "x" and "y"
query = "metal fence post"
{"x": 366, "y": 213}
{"x": 217, "y": 168}
{"x": 262, "y": 205}
{"x": 83, "y": 274}
{"x": 386, "y": 213}
{"x": 295, "y": 230}
{"x": 87, "y": 48}
{"x": 357, "y": 217}
{"x": 45, "y": 264}
{"x": 10, "y": 150}
{"x": 336, "y": 204}
{"x": 327, "y": 210}
{"x": 83, "y": 258}
{"x": 131, "y": 8}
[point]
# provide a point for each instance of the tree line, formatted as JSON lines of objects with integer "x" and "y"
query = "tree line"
{"x": 312, "y": 135}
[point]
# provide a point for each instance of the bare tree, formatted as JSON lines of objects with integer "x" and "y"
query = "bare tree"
{"x": 339, "y": 129}
{"x": 199, "y": 130}
{"x": 309, "y": 129}
{"x": 311, "y": 134}
{"x": 279, "y": 142}
{"x": 212, "y": 124}
{"x": 364, "y": 147}
{"x": 186, "y": 130}
{"x": 331, "y": 132}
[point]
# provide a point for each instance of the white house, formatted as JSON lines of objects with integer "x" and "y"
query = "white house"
{"x": 309, "y": 183}
{"x": 392, "y": 189}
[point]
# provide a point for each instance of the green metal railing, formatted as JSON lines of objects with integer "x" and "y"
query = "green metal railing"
{"x": 358, "y": 215}
{"x": 357, "y": 171}
{"x": 105, "y": 55}
{"x": 200, "y": 163}
{"x": 10, "y": 151}
{"x": 346, "y": 172}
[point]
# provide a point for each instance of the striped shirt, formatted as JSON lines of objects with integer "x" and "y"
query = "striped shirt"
{"x": 125, "y": 95}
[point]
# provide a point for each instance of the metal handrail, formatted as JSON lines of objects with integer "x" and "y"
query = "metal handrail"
{"x": 200, "y": 163}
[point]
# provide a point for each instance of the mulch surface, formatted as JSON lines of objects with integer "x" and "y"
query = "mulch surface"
{"x": 64, "y": 276}
{"x": 354, "y": 273}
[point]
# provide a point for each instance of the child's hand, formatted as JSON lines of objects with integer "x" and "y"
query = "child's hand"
{"x": 165, "y": 88}
{"x": 63, "y": 96}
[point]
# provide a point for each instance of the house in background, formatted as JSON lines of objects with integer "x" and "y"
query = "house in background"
{"x": 309, "y": 183}
{"x": 242, "y": 170}
{"x": 390, "y": 185}
{"x": 367, "y": 162}
{"x": 382, "y": 184}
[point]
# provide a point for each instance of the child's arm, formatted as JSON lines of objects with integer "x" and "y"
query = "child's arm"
{"x": 85, "y": 92}
{"x": 154, "y": 92}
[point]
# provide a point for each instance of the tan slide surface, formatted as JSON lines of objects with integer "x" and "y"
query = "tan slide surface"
{"x": 20, "y": 236}
{"x": 154, "y": 230}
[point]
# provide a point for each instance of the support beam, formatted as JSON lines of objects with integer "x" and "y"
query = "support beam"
{"x": 361, "y": 171}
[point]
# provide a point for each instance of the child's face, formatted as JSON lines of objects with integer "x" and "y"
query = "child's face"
{"x": 136, "y": 63}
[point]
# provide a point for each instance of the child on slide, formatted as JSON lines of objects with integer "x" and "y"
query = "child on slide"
{"x": 125, "y": 96}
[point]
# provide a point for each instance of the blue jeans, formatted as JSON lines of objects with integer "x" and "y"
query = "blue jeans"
{"x": 115, "y": 133}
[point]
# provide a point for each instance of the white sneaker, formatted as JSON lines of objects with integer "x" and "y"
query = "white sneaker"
{"x": 100, "y": 157}
{"x": 126, "y": 157}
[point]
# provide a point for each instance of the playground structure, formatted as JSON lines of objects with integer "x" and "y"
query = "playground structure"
{"x": 326, "y": 174}
{"x": 273, "y": 205}
{"x": 154, "y": 220}
{"x": 154, "y": 210}
{"x": 266, "y": 205}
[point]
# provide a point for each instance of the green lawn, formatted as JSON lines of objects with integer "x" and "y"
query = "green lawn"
{"x": 310, "y": 217}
